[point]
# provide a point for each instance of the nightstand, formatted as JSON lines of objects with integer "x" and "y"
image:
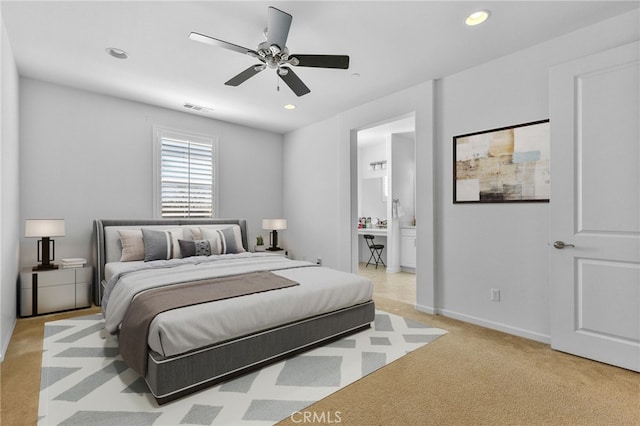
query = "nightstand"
{"x": 54, "y": 290}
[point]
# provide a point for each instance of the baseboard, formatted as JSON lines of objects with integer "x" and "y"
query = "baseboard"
{"x": 505, "y": 328}
{"x": 7, "y": 340}
{"x": 426, "y": 309}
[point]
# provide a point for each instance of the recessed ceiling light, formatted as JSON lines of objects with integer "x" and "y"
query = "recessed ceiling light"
{"x": 477, "y": 18}
{"x": 117, "y": 53}
{"x": 289, "y": 106}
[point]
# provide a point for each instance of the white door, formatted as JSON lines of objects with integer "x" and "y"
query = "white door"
{"x": 595, "y": 207}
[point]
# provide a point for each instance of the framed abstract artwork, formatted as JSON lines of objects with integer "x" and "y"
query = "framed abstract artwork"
{"x": 505, "y": 165}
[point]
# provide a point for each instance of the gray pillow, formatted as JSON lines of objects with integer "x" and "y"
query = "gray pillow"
{"x": 195, "y": 248}
{"x": 229, "y": 243}
{"x": 158, "y": 245}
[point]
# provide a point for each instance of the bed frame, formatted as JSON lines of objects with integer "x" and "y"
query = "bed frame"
{"x": 169, "y": 378}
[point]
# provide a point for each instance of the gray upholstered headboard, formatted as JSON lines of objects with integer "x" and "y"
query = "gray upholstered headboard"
{"x": 100, "y": 242}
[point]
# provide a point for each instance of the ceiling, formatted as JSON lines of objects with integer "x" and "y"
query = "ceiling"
{"x": 392, "y": 45}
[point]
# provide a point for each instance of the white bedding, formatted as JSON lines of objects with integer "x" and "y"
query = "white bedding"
{"x": 321, "y": 290}
{"x": 113, "y": 268}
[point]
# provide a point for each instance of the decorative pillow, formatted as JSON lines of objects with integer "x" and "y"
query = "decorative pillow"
{"x": 214, "y": 240}
{"x": 157, "y": 245}
{"x": 194, "y": 233}
{"x": 224, "y": 240}
{"x": 231, "y": 240}
{"x": 132, "y": 245}
{"x": 195, "y": 248}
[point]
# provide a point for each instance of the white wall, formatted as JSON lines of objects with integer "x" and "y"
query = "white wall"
{"x": 311, "y": 185}
{"x": 503, "y": 246}
{"x": 85, "y": 156}
{"x": 477, "y": 247}
{"x": 321, "y": 183}
{"x": 9, "y": 191}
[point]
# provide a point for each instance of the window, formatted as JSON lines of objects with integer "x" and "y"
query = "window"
{"x": 185, "y": 171}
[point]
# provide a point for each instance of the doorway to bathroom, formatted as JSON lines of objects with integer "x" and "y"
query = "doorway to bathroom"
{"x": 386, "y": 200}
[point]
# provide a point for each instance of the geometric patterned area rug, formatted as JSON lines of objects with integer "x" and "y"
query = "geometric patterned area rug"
{"x": 85, "y": 382}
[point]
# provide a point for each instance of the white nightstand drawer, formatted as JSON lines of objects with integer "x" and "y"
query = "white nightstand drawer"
{"x": 84, "y": 275}
{"x": 83, "y": 295}
{"x": 56, "y": 298}
{"x": 54, "y": 277}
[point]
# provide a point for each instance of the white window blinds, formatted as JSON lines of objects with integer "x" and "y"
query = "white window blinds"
{"x": 186, "y": 175}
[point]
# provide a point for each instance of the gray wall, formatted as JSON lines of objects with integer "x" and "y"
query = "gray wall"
{"x": 9, "y": 190}
{"x": 85, "y": 156}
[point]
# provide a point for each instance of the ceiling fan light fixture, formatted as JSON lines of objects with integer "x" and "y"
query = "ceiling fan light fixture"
{"x": 117, "y": 53}
{"x": 283, "y": 71}
{"x": 477, "y": 18}
{"x": 275, "y": 49}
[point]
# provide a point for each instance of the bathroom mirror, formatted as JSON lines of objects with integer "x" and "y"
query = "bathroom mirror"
{"x": 374, "y": 197}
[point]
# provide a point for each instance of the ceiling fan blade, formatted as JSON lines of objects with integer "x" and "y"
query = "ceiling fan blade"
{"x": 219, "y": 43}
{"x": 294, "y": 82}
{"x": 278, "y": 25}
{"x": 245, "y": 75}
{"x": 322, "y": 61}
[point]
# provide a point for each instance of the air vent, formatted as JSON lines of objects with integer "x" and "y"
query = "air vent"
{"x": 197, "y": 108}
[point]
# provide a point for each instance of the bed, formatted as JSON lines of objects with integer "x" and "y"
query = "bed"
{"x": 243, "y": 310}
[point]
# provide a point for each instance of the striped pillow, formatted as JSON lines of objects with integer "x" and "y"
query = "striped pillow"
{"x": 224, "y": 240}
{"x": 158, "y": 245}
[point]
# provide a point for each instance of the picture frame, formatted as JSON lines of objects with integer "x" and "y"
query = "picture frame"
{"x": 503, "y": 165}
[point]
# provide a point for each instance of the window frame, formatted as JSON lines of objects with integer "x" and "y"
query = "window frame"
{"x": 160, "y": 133}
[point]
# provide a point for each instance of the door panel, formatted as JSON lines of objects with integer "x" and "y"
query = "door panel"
{"x": 609, "y": 293}
{"x": 607, "y": 164}
{"x": 595, "y": 206}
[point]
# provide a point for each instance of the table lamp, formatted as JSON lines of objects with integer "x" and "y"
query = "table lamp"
{"x": 274, "y": 225}
{"x": 45, "y": 229}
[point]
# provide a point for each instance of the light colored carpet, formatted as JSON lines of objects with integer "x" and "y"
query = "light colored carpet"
{"x": 471, "y": 376}
{"x": 84, "y": 380}
{"x": 475, "y": 376}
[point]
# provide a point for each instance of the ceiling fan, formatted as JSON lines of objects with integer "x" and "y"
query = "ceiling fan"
{"x": 273, "y": 53}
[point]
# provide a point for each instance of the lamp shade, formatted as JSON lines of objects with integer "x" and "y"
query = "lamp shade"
{"x": 44, "y": 228}
{"x": 274, "y": 224}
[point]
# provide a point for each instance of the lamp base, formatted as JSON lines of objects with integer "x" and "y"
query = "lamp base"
{"x": 42, "y": 267}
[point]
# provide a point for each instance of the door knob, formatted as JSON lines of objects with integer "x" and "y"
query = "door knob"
{"x": 561, "y": 245}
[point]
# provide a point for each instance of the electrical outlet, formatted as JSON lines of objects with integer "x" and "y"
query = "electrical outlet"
{"x": 319, "y": 261}
{"x": 495, "y": 294}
